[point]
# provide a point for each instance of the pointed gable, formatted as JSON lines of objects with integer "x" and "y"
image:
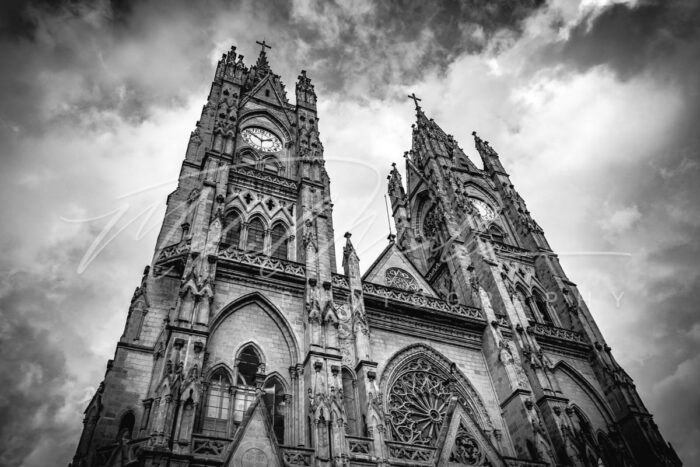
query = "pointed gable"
{"x": 270, "y": 90}
{"x": 254, "y": 443}
{"x": 393, "y": 269}
{"x": 462, "y": 443}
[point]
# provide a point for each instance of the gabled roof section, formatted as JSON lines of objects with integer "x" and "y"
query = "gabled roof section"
{"x": 263, "y": 84}
{"x": 270, "y": 90}
{"x": 254, "y": 440}
{"x": 462, "y": 442}
{"x": 390, "y": 260}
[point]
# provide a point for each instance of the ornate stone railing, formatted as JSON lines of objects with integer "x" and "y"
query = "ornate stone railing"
{"x": 412, "y": 298}
{"x": 339, "y": 280}
{"x": 420, "y": 300}
{"x": 209, "y": 446}
{"x": 360, "y": 446}
{"x": 502, "y": 320}
{"x": 557, "y": 333}
{"x": 264, "y": 176}
{"x": 267, "y": 264}
{"x": 410, "y": 454}
{"x": 173, "y": 250}
{"x": 297, "y": 456}
{"x": 512, "y": 249}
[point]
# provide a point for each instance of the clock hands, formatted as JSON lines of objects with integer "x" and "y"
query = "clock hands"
{"x": 260, "y": 142}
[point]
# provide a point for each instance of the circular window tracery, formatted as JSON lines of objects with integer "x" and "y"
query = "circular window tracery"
{"x": 401, "y": 279}
{"x": 417, "y": 403}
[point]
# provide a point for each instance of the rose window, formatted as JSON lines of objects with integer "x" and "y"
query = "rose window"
{"x": 397, "y": 277}
{"x": 417, "y": 404}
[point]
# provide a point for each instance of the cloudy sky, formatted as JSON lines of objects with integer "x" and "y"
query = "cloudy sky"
{"x": 593, "y": 106}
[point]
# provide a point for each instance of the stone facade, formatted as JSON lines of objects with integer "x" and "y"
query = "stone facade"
{"x": 463, "y": 344}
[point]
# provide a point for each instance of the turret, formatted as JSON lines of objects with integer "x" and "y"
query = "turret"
{"x": 489, "y": 157}
{"x": 305, "y": 94}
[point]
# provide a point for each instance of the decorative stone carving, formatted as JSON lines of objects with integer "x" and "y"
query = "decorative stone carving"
{"x": 265, "y": 263}
{"x": 466, "y": 449}
{"x": 557, "y": 333}
{"x": 401, "y": 279}
{"x": 418, "y": 402}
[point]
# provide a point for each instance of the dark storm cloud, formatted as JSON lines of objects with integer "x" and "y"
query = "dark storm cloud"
{"x": 398, "y": 42}
{"x": 64, "y": 60}
{"x": 652, "y": 35}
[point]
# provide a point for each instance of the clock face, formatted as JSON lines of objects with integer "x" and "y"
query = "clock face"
{"x": 261, "y": 139}
{"x": 485, "y": 211}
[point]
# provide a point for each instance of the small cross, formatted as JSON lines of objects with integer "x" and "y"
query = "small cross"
{"x": 415, "y": 99}
{"x": 264, "y": 45}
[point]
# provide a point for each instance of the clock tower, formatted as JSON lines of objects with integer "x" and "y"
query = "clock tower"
{"x": 462, "y": 344}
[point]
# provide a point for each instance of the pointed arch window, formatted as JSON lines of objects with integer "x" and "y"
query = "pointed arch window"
{"x": 274, "y": 398}
{"x": 256, "y": 236}
{"x": 526, "y": 303}
{"x": 247, "y": 366}
{"x": 126, "y": 426}
{"x": 278, "y": 241}
{"x": 542, "y": 308}
{"x": 497, "y": 233}
{"x": 248, "y": 160}
{"x": 270, "y": 165}
{"x": 218, "y": 406}
{"x": 350, "y": 403}
{"x": 232, "y": 232}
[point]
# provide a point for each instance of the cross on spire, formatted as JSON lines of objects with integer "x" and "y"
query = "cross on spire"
{"x": 415, "y": 99}
{"x": 264, "y": 46}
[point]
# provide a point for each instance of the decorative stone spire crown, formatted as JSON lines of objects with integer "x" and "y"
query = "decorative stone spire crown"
{"x": 305, "y": 93}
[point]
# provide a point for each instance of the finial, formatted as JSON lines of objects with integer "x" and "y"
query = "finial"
{"x": 415, "y": 99}
{"x": 391, "y": 237}
{"x": 263, "y": 45}
{"x": 347, "y": 235}
{"x": 393, "y": 164}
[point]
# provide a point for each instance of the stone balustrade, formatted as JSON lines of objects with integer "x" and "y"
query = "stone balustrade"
{"x": 297, "y": 456}
{"x": 209, "y": 446}
{"x": 360, "y": 447}
{"x": 544, "y": 330}
{"x": 410, "y": 454}
{"x": 268, "y": 265}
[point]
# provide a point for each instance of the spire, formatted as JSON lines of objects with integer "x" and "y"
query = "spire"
{"x": 261, "y": 68}
{"x": 395, "y": 183}
{"x": 350, "y": 258}
{"x": 305, "y": 93}
{"x": 262, "y": 64}
{"x": 489, "y": 156}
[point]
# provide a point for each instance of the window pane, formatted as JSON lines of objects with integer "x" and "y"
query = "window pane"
{"x": 278, "y": 240}
{"x": 256, "y": 236}
{"x": 232, "y": 228}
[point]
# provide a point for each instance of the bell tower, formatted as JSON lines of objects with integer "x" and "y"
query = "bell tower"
{"x": 471, "y": 235}
{"x": 232, "y": 332}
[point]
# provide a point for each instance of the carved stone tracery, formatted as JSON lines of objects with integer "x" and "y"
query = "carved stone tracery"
{"x": 418, "y": 402}
{"x": 401, "y": 279}
{"x": 418, "y": 396}
{"x": 466, "y": 449}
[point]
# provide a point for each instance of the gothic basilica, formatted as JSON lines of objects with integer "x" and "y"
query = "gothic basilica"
{"x": 247, "y": 344}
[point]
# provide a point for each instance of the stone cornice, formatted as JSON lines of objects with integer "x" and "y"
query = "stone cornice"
{"x": 135, "y": 347}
